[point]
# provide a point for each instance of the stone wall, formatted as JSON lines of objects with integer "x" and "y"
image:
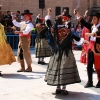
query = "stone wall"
{"x": 33, "y": 5}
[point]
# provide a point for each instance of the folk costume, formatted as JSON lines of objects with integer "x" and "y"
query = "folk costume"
{"x": 62, "y": 68}
{"x": 96, "y": 51}
{"x": 24, "y": 41}
{"x": 41, "y": 44}
{"x": 68, "y": 21}
{"x": 38, "y": 19}
{"x": 85, "y": 47}
{"x": 83, "y": 58}
{"x": 91, "y": 55}
{"x": 6, "y": 55}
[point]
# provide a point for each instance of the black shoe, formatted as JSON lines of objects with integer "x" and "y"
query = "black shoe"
{"x": 98, "y": 84}
{"x": 58, "y": 91}
{"x": 41, "y": 62}
{"x": 89, "y": 84}
{"x": 94, "y": 71}
{"x": 65, "y": 92}
{"x": 20, "y": 70}
{"x": 28, "y": 71}
{"x": 0, "y": 74}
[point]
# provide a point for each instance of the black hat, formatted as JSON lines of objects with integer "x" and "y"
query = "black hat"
{"x": 27, "y": 12}
{"x": 69, "y": 16}
{"x": 97, "y": 14}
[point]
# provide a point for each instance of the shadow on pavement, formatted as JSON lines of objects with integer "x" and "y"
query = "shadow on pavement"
{"x": 20, "y": 76}
{"x": 77, "y": 96}
{"x": 97, "y": 90}
{"x": 43, "y": 66}
{"x": 39, "y": 72}
{"x": 77, "y": 60}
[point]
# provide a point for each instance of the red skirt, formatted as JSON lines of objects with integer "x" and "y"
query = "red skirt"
{"x": 83, "y": 58}
{"x": 91, "y": 45}
{"x": 97, "y": 64}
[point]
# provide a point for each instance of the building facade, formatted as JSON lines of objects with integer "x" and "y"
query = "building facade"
{"x": 33, "y": 6}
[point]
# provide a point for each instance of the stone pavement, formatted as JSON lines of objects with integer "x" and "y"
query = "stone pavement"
{"x": 31, "y": 86}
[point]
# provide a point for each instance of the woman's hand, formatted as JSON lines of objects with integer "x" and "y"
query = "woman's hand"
{"x": 77, "y": 14}
{"x": 18, "y": 32}
{"x": 13, "y": 15}
{"x": 14, "y": 28}
{"x": 88, "y": 34}
{"x": 75, "y": 11}
{"x": 86, "y": 42}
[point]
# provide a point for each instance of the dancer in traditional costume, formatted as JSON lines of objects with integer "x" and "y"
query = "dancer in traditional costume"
{"x": 84, "y": 54}
{"x": 62, "y": 69}
{"x": 26, "y": 28}
{"x": 41, "y": 44}
{"x": 6, "y": 53}
{"x": 83, "y": 58}
{"x": 38, "y": 19}
{"x": 96, "y": 49}
{"x": 93, "y": 29}
{"x": 68, "y": 21}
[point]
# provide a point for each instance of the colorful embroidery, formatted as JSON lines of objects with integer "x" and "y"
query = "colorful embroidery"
{"x": 62, "y": 33}
{"x": 98, "y": 47}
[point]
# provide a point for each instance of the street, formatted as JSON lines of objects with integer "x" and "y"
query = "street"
{"x": 31, "y": 86}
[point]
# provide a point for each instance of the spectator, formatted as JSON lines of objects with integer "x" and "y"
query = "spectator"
{"x": 18, "y": 16}
{"x": 8, "y": 15}
{"x": 7, "y": 25}
{"x": 1, "y": 17}
{"x": 0, "y": 7}
{"x": 79, "y": 29}
{"x": 72, "y": 28}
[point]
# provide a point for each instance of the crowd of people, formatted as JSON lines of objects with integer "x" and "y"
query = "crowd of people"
{"x": 6, "y": 20}
{"x": 62, "y": 68}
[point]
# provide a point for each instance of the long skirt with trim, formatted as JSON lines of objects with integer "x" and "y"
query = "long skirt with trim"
{"x": 7, "y": 54}
{"x": 42, "y": 48}
{"x": 63, "y": 71}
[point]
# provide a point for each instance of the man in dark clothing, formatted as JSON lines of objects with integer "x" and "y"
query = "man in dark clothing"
{"x": 8, "y": 16}
{"x": 93, "y": 28}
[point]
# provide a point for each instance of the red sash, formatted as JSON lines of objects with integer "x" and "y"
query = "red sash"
{"x": 26, "y": 35}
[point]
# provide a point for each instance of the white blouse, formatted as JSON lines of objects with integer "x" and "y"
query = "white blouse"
{"x": 29, "y": 26}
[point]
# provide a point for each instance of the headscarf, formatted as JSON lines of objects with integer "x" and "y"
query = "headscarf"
{"x": 42, "y": 19}
{"x": 64, "y": 17}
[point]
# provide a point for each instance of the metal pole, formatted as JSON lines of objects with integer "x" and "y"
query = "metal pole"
{"x": 42, "y": 13}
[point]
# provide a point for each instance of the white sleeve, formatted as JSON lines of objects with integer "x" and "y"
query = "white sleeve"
{"x": 17, "y": 24}
{"x": 47, "y": 17}
{"x": 28, "y": 29}
{"x": 78, "y": 17}
{"x": 79, "y": 42}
